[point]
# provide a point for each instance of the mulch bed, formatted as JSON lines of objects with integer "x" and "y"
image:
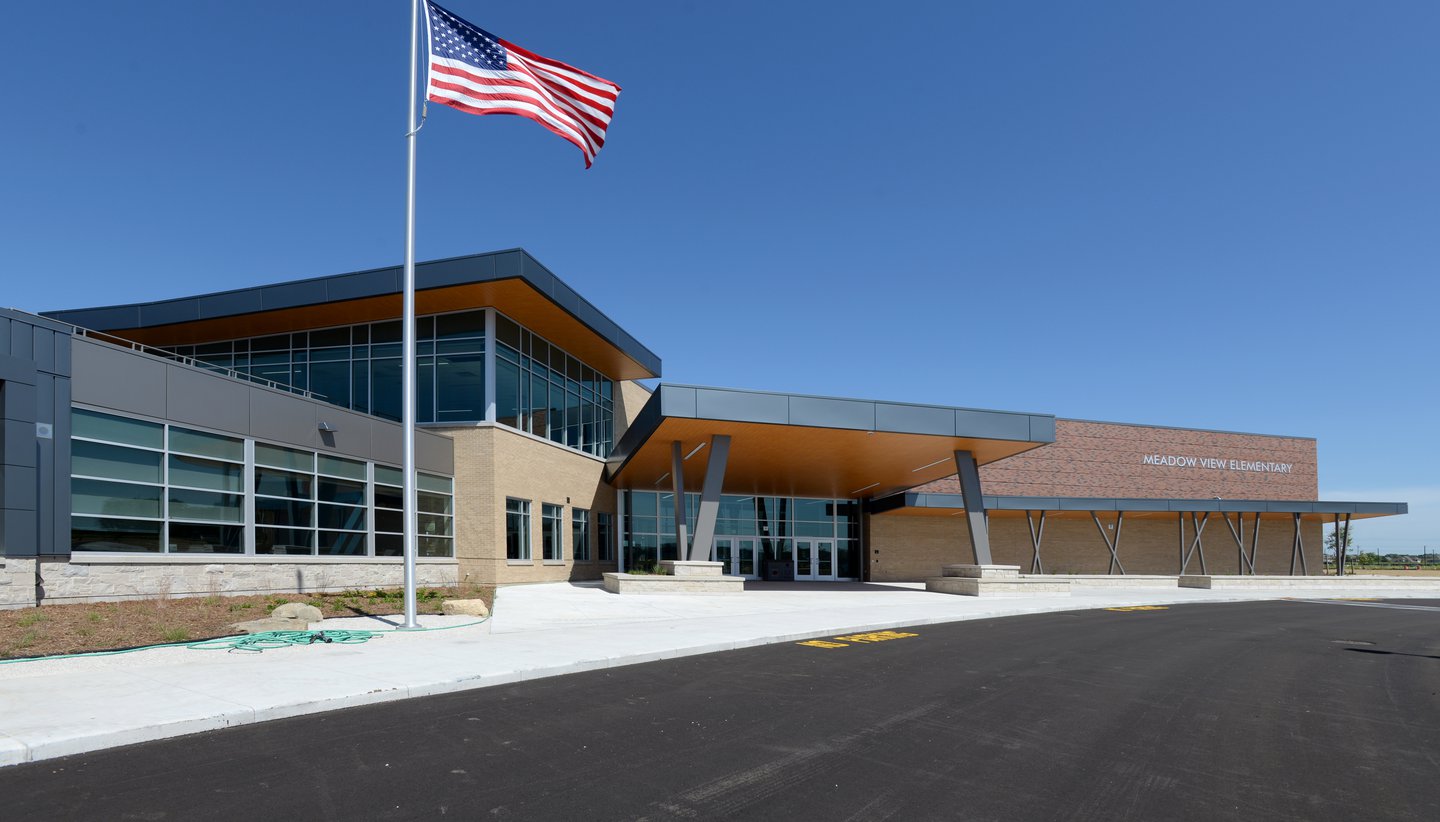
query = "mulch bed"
{"x": 101, "y": 626}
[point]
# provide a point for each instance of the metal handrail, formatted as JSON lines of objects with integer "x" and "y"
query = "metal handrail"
{"x": 111, "y": 339}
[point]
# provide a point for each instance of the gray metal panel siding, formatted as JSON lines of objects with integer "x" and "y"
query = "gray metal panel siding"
{"x": 676, "y": 401}
{"x": 831, "y": 413}
{"x": 717, "y": 404}
{"x": 287, "y": 295}
{"x": 915, "y": 419}
{"x": 1042, "y": 428}
{"x": 387, "y": 443}
{"x": 229, "y": 303}
{"x": 42, "y": 348}
{"x": 60, "y": 477}
{"x": 19, "y": 439}
{"x": 4, "y": 336}
{"x": 170, "y": 311}
{"x": 365, "y": 284}
{"x": 277, "y": 417}
{"x": 1143, "y": 505}
{"x": 434, "y": 453}
{"x": 21, "y": 495}
{"x": 207, "y": 400}
{"x": 995, "y": 425}
{"x": 110, "y": 377}
{"x": 22, "y": 340}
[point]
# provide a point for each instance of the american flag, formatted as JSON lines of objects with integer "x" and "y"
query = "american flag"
{"x": 476, "y": 72}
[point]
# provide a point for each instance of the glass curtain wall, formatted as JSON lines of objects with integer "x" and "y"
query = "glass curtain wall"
{"x": 649, "y": 525}
{"x": 540, "y": 388}
{"x": 140, "y": 486}
{"x": 544, "y": 391}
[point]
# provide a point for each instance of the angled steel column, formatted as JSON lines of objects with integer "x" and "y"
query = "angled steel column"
{"x": 1344, "y": 547}
{"x": 1180, "y": 517}
{"x": 1197, "y": 544}
{"x": 710, "y": 498}
{"x": 677, "y": 484}
{"x": 1255, "y": 545}
{"x": 975, "y": 522}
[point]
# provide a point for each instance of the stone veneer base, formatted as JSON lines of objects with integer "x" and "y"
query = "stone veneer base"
{"x": 115, "y": 579}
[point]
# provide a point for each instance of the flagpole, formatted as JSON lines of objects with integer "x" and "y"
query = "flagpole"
{"x": 408, "y": 367}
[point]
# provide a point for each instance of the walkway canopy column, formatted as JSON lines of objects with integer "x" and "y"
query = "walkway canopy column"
{"x": 975, "y": 523}
{"x": 709, "y": 511}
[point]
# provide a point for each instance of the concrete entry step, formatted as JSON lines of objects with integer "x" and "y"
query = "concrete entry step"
{"x": 993, "y": 581}
{"x": 1014, "y": 587}
{"x": 617, "y": 583}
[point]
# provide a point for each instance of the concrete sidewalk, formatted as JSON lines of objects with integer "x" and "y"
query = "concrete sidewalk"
{"x": 52, "y": 708}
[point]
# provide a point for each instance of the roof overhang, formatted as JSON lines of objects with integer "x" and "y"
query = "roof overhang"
{"x": 941, "y": 505}
{"x": 511, "y": 281}
{"x": 804, "y": 446}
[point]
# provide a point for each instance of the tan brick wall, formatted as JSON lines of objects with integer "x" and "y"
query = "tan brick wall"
{"x": 910, "y": 548}
{"x": 493, "y": 463}
{"x": 633, "y": 397}
{"x": 1100, "y": 459}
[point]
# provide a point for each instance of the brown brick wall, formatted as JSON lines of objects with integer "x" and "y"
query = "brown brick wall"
{"x": 493, "y": 463}
{"x": 910, "y": 548}
{"x": 1099, "y": 459}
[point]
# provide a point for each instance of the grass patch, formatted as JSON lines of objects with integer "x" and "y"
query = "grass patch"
{"x": 101, "y": 626}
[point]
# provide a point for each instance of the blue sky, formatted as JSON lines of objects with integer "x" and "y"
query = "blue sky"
{"x": 1219, "y": 215}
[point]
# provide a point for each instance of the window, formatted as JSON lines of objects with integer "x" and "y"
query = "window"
{"x": 140, "y": 486}
{"x": 605, "y": 535}
{"x": 550, "y": 516}
{"x": 580, "y": 534}
{"x": 517, "y": 529}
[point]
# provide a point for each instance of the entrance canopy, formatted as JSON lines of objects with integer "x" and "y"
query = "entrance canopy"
{"x": 804, "y": 446}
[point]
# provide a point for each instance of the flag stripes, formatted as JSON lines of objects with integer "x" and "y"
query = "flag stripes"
{"x": 476, "y": 72}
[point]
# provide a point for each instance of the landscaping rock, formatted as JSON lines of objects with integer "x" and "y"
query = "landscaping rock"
{"x": 298, "y": 611}
{"x": 260, "y": 626}
{"x": 465, "y": 607}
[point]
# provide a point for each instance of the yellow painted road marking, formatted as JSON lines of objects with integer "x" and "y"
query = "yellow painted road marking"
{"x": 858, "y": 639}
{"x": 1141, "y": 608}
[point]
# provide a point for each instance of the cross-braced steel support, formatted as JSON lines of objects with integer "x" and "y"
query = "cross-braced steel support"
{"x": 1197, "y": 544}
{"x": 1297, "y": 549}
{"x": 1037, "y": 533}
{"x": 1112, "y": 543}
{"x": 1239, "y": 537}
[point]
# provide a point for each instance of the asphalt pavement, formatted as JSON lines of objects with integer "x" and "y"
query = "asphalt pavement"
{"x": 1277, "y": 710}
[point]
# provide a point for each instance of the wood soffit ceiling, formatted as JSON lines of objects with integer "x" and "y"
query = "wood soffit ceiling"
{"x": 802, "y": 461}
{"x": 513, "y": 297}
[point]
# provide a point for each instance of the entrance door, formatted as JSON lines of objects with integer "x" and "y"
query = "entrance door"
{"x": 815, "y": 560}
{"x": 737, "y": 557}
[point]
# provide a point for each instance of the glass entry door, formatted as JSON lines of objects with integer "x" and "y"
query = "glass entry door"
{"x": 737, "y": 556}
{"x": 814, "y": 559}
